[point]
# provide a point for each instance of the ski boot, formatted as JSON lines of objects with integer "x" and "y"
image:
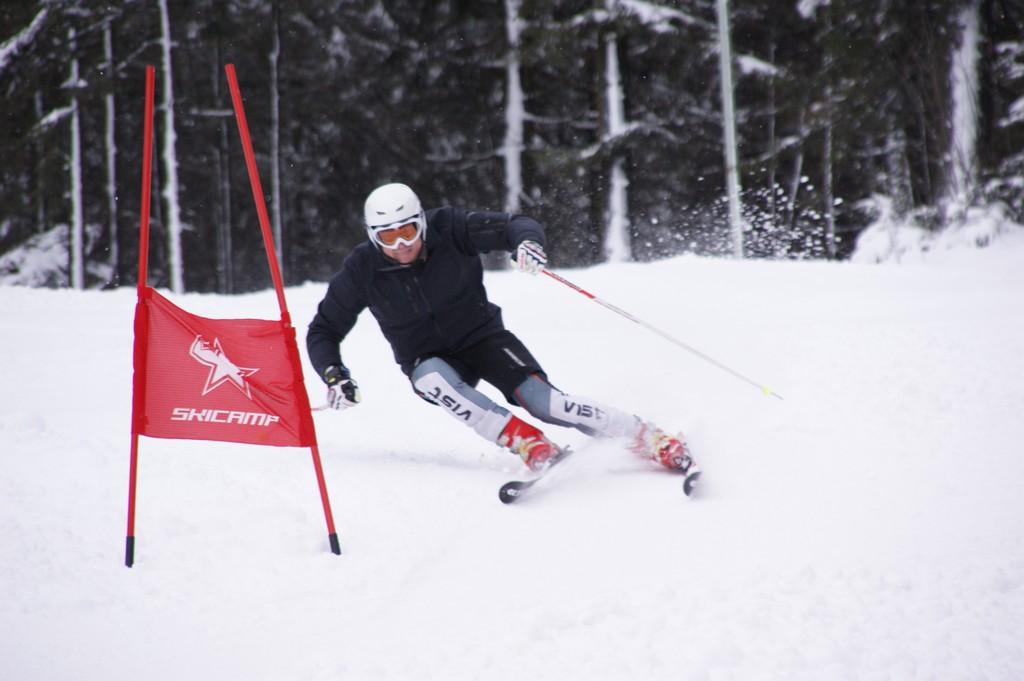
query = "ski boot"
{"x": 671, "y": 452}
{"x": 529, "y": 443}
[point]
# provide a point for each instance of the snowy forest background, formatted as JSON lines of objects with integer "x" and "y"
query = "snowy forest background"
{"x": 602, "y": 118}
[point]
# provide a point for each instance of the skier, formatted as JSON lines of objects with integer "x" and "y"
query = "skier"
{"x": 420, "y": 275}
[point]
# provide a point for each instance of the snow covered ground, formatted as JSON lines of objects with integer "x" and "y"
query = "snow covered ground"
{"x": 869, "y": 526}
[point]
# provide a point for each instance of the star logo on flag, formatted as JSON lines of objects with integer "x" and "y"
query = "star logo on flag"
{"x": 222, "y": 369}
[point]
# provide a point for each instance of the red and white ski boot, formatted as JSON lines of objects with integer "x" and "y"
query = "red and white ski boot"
{"x": 529, "y": 443}
{"x": 671, "y": 452}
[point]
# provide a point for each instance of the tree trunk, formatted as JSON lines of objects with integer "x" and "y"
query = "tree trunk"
{"x": 898, "y": 172}
{"x": 512, "y": 150}
{"x": 830, "y": 217}
{"x": 40, "y": 168}
{"x": 772, "y": 143}
{"x": 616, "y": 240}
{"x": 111, "y": 144}
{"x": 175, "y": 265}
{"x": 729, "y": 128}
{"x": 964, "y": 123}
{"x": 275, "y": 136}
{"x": 221, "y": 157}
{"x": 77, "y": 248}
{"x": 798, "y": 169}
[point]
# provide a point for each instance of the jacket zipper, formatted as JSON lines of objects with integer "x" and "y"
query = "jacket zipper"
{"x": 426, "y": 305}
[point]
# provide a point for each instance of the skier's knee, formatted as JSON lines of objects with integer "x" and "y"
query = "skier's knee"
{"x": 434, "y": 365}
{"x": 534, "y": 395}
{"x": 425, "y": 375}
{"x": 437, "y": 382}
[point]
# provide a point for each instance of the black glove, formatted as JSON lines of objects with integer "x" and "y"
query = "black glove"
{"x": 342, "y": 391}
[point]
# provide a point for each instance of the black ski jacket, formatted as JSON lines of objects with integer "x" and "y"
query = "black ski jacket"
{"x": 436, "y": 305}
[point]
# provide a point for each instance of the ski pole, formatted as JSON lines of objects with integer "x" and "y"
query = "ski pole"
{"x": 618, "y": 310}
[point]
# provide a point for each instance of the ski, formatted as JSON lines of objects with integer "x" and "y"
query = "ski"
{"x": 511, "y": 491}
{"x": 690, "y": 482}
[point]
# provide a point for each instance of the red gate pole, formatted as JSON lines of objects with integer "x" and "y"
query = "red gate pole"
{"x": 275, "y": 274}
{"x": 141, "y": 321}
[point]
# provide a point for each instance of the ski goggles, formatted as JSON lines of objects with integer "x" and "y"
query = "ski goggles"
{"x": 399, "y": 233}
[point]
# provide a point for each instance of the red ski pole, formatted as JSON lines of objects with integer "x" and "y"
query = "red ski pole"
{"x": 618, "y": 310}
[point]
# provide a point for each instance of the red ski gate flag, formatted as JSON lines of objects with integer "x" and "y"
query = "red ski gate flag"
{"x": 235, "y": 380}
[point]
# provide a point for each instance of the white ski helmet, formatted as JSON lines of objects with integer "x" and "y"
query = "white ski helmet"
{"x": 388, "y": 209}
